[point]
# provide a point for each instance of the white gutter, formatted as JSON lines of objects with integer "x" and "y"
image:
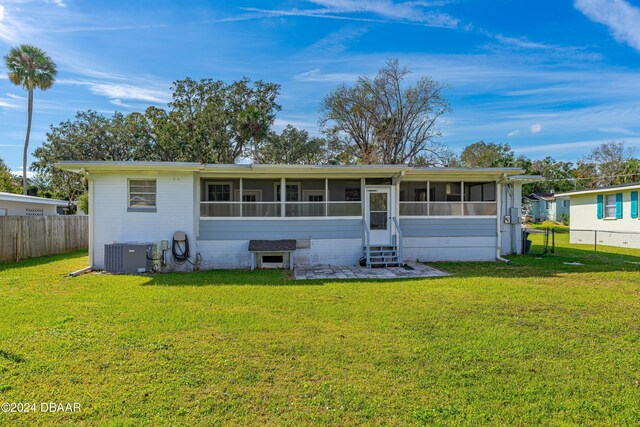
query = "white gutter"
{"x": 10, "y": 197}
{"x": 91, "y": 214}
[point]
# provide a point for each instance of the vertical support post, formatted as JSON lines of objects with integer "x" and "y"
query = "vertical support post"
{"x": 197, "y": 208}
{"x": 428, "y": 198}
{"x": 326, "y": 197}
{"x": 553, "y": 240}
{"x": 362, "y": 196}
{"x": 253, "y": 261}
{"x": 462, "y": 198}
{"x": 283, "y": 196}
{"x": 595, "y": 243}
{"x": 241, "y": 191}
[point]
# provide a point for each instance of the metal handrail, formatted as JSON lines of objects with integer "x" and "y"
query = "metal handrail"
{"x": 493, "y": 206}
{"x": 367, "y": 241}
{"x": 399, "y": 237}
{"x": 275, "y": 201}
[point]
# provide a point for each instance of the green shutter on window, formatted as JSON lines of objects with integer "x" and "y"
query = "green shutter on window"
{"x": 618, "y": 205}
{"x": 600, "y": 206}
{"x": 634, "y": 204}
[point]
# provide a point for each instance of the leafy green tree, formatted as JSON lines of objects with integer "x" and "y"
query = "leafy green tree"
{"x": 8, "y": 182}
{"x": 83, "y": 202}
{"x": 32, "y": 69}
{"x": 91, "y": 136}
{"x": 610, "y": 163}
{"x": 486, "y": 155}
{"x": 382, "y": 120}
{"x": 295, "y": 146}
{"x": 559, "y": 176}
{"x": 210, "y": 121}
{"x": 631, "y": 170}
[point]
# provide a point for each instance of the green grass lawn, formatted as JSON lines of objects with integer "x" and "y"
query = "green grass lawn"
{"x": 537, "y": 342}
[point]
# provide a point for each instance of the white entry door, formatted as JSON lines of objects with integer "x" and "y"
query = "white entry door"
{"x": 378, "y": 210}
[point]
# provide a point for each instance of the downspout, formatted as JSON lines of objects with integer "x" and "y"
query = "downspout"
{"x": 91, "y": 214}
{"x": 498, "y": 217}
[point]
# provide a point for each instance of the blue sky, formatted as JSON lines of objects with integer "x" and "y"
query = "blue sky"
{"x": 548, "y": 77}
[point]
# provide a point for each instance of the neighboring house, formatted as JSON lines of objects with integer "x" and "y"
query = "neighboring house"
{"x": 20, "y": 205}
{"x": 547, "y": 206}
{"x": 335, "y": 214}
{"x": 611, "y": 211}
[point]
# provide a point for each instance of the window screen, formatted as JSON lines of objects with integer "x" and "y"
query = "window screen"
{"x": 142, "y": 193}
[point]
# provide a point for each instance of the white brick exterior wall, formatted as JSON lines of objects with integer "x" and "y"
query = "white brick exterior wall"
{"x": 112, "y": 222}
{"x": 234, "y": 253}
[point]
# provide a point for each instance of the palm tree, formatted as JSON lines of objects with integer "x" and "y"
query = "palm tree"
{"x": 30, "y": 68}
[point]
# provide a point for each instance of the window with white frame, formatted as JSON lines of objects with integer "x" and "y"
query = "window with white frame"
{"x": 219, "y": 191}
{"x": 313, "y": 195}
{"x": 3, "y": 212}
{"x": 142, "y": 193}
{"x": 565, "y": 203}
{"x": 610, "y": 206}
{"x": 292, "y": 192}
{"x": 249, "y": 195}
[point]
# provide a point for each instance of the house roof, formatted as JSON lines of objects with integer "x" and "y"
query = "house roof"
{"x": 541, "y": 196}
{"x": 632, "y": 186}
{"x": 269, "y": 170}
{"x": 11, "y": 197}
{"x": 544, "y": 196}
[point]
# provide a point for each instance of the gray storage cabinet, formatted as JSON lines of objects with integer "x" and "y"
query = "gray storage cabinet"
{"x": 129, "y": 258}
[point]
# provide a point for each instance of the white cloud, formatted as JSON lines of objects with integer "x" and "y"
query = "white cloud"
{"x": 619, "y": 130}
{"x": 1, "y": 13}
{"x": 316, "y": 76}
{"x": 622, "y": 18}
{"x": 9, "y": 103}
{"x": 535, "y": 128}
{"x": 118, "y": 91}
{"x": 513, "y": 133}
{"x": 334, "y": 43}
{"x": 413, "y": 11}
{"x": 572, "y": 146}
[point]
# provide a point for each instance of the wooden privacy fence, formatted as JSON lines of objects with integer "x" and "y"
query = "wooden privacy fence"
{"x": 33, "y": 236}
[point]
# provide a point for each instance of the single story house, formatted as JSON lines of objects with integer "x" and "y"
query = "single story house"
{"x": 546, "y": 206}
{"x": 21, "y": 205}
{"x": 611, "y": 212}
{"x": 334, "y": 215}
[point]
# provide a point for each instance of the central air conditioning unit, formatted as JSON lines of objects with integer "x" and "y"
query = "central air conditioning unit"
{"x": 128, "y": 258}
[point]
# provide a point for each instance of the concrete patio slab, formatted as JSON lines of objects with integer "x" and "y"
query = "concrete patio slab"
{"x": 323, "y": 272}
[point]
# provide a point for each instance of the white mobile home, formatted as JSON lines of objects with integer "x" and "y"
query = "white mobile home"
{"x": 612, "y": 212}
{"x": 21, "y": 205}
{"x": 334, "y": 215}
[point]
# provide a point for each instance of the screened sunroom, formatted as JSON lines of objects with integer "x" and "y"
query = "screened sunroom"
{"x": 289, "y": 198}
{"x": 447, "y": 198}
